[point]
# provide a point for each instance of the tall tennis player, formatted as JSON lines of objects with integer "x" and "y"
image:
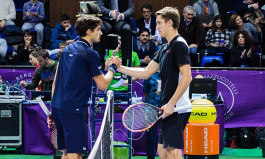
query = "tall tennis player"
{"x": 173, "y": 61}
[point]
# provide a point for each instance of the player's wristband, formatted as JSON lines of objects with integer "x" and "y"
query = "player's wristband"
{"x": 113, "y": 68}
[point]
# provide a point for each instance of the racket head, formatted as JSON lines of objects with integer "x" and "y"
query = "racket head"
{"x": 140, "y": 117}
{"x": 53, "y": 137}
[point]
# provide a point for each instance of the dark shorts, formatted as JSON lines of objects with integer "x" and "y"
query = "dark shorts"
{"x": 71, "y": 131}
{"x": 171, "y": 130}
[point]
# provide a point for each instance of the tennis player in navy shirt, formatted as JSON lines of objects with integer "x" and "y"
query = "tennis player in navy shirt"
{"x": 173, "y": 61}
{"x": 78, "y": 64}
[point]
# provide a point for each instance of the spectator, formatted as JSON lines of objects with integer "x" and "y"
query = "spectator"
{"x": 7, "y": 13}
{"x": 116, "y": 19}
{"x": 236, "y": 23}
{"x": 45, "y": 72}
{"x": 250, "y": 11}
{"x": 149, "y": 21}
{"x": 119, "y": 76}
{"x": 192, "y": 31}
{"x": 63, "y": 31}
{"x": 144, "y": 47}
{"x": 34, "y": 61}
{"x": 241, "y": 53}
{"x": 152, "y": 90}
{"x": 206, "y": 10}
{"x": 62, "y": 45}
{"x": 3, "y": 49}
{"x": 24, "y": 49}
{"x": 33, "y": 15}
{"x": 218, "y": 39}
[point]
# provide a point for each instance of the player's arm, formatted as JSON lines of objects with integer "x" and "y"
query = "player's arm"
{"x": 104, "y": 81}
{"x": 182, "y": 86}
{"x": 53, "y": 84}
{"x": 143, "y": 73}
{"x": 135, "y": 78}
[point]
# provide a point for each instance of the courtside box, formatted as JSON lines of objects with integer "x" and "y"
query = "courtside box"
{"x": 10, "y": 123}
{"x": 201, "y": 141}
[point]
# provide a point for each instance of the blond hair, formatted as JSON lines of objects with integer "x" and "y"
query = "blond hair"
{"x": 170, "y": 13}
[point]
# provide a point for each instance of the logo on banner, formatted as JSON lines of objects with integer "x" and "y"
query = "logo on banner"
{"x": 226, "y": 91}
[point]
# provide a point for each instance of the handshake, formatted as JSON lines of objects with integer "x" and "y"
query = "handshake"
{"x": 113, "y": 63}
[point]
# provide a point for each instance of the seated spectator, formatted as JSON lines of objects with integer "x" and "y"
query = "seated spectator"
{"x": 218, "y": 39}
{"x": 250, "y": 11}
{"x": 149, "y": 21}
{"x": 144, "y": 47}
{"x": 63, "y": 32}
{"x": 119, "y": 76}
{"x": 236, "y": 23}
{"x": 7, "y": 13}
{"x": 44, "y": 73}
{"x": 62, "y": 45}
{"x": 241, "y": 53}
{"x": 192, "y": 31}
{"x": 116, "y": 19}
{"x": 33, "y": 15}
{"x": 24, "y": 49}
{"x": 205, "y": 11}
{"x": 3, "y": 49}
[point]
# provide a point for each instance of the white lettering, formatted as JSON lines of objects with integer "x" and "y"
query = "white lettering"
{"x": 187, "y": 139}
{"x": 205, "y": 140}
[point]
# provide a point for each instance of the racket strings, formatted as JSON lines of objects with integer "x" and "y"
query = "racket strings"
{"x": 53, "y": 136}
{"x": 140, "y": 117}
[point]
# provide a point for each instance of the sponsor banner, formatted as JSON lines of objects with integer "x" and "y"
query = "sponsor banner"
{"x": 242, "y": 91}
{"x": 243, "y": 94}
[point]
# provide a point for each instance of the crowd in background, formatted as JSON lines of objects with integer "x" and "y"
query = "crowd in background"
{"x": 201, "y": 25}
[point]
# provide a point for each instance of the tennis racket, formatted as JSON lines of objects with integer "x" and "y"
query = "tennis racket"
{"x": 53, "y": 130}
{"x": 142, "y": 116}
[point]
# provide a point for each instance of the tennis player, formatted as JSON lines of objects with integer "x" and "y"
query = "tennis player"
{"x": 173, "y": 61}
{"x": 77, "y": 66}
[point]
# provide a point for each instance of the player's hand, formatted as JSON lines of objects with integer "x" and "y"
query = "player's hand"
{"x": 168, "y": 110}
{"x": 117, "y": 61}
{"x": 50, "y": 122}
{"x": 107, "y": 64}
{"x": 23, "y": 84}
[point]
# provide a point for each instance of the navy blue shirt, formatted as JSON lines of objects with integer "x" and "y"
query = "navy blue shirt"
{"x": 169, "y": 59}
{"x": 78, "y": 64}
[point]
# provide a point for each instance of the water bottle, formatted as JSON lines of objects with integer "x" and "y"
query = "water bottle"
{"x": 7, "y": 93}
